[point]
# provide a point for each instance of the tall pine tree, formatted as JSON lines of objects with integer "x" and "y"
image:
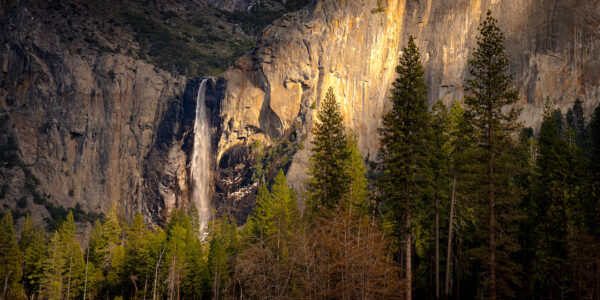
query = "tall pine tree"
{"x": 594, "y": 169}
{"x": 358, "y": 193}
{"x": 403, "y": 140}
{"x": 439, "y": 178}
{"x": 275, "y": 216}
{"x": 489, "y": 90}
{"x": 10, "y": 260}
{"x": 329, "y": 177}
{"x": 64, "y": 269}
{"x": 33, "y": 246}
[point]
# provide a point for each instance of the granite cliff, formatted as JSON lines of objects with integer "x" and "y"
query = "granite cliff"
{"x": 353, "y": 47}
{"x": 97, "y": 101}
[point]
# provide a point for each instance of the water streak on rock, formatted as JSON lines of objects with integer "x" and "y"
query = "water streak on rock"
{"x": 200, "y": 165}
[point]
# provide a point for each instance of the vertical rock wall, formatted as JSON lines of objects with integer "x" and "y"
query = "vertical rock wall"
{"x": 354, "y": 46}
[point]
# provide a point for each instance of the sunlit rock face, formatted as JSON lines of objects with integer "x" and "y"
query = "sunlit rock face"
{"x": 84, "y": 123}
{"x": 354, "y": 46}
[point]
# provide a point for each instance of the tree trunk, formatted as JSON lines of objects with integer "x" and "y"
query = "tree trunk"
{"x": 145, "y": 284}
{"x": 156, "y": 274}
{"x": 5, "y": 285}
{"x": 87, "y": 260}
{"x": 408, "y": 249}
{"x": 437, "y": 247}
{"x": 492, "y": 210}
{"x": 70, "y": 270}
{"x": 449, "y": 248}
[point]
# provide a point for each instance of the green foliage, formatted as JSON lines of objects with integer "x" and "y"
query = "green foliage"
{"x": 64, "y": 267}
{"x": 556, "y": 191}
{"x": 576, "y": 121}
{"x": 194, "y": 217}
{"x": 493, "y": 163}
{"x": 106, "y": 253}
{"x": 10, "y": 259}
{"x": 33, "y": 247}
{"x": 329, "y": 177}
{"x": 594, "y": 171}
{"x": 224, "y": 244}
{"x": 275, "y": 216}
{"x": 268, "y": 160}
{"x": 358, "y": 193}
{"x": 403, "y": 139}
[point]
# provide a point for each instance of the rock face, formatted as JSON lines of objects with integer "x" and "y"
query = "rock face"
{"x": 82, "y": 123}
{"x": 354, "y": 46}
{"x": 85, "y": 120}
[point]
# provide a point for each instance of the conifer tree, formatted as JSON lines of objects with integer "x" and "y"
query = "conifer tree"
{"x": 64, "y": 267}
{"x": 403, "y": 140}
{"x": 576, "y": 121}
{"x": 553, "y": 208}
{"x": 136, "y": 266}
{"x": 194, "y": 216}
{"x": 275, "y": 215}
{"x": 460, "y": 147}
{"x": 224, "y": 244}
{"x": 329, "y": 177}
{"x": 439, "y": 177}
{"x": 177, "y": 240}
{"x": 10, "y": 259}
{"x": 489, "y": 90}
{"x": 34, "y": 249}
{"x": 156, "y": 261}
{"x": 196, "y": 282}
{"x": 263, "y": 266}
{"x": 107, "y": 252}
{"x": 560, "y": 208}
{"x": 594, "y": 170}
{"x": 358, "y": 192}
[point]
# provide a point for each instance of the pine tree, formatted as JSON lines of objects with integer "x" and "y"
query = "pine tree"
{"x": 460, "y": 147}
{"x": 223, "y": 245}
{"x": 403, "y": 140}
{"x": 107, "y": 252}
{"x": 194, "y": 216}
{"x": 489, "y": 90}
{"x": 329, "y": 178}
{"x": 550, "y": 208}
{"x": 594, "y": 171}
{"x": 196, "y": 282}
{"x": 34, "y": 249}
{"x": 64, "y": 267}
{"x": 576, "y": 121}
{"x": 177, "y": 239}
{"x": 358, "y": 193}
{"x": 10, "y": 260}
{"x": 136, "y": 257}
{"x": 262, "y": 268}
{"x": 275, "y": 216}
{"x": 155, "y": 249}
{"x": 439, "y": 178}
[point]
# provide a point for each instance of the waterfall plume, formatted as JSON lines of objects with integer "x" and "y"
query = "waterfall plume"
{"x": 200, "y": 164}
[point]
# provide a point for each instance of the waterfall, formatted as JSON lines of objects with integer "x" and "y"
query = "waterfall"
{"x": 200, "y": 164}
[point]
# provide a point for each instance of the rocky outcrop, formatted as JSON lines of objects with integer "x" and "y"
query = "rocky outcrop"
{"x": 354, "y": 46}
{"x": 82, "y": 121}
{"x": 93, "y": 112}
{"x": 85, "y": 120}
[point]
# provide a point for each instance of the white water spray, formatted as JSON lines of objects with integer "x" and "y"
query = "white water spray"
{"x": 200, "y": 172}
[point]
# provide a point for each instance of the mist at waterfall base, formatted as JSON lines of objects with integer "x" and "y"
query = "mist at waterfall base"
{"x": 200, "y": 164}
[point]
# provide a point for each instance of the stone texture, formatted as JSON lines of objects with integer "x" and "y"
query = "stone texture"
{"x": 116, "y": 130}
{"x": 83, "y": 122}
{"x": 354, "y": 46}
